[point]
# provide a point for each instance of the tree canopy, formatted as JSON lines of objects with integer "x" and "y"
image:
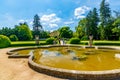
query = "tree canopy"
{"x": 65, "y": 32}
{"x": 105, "y": 15}
{"x": 37, "y": 27}
{"x": 23, "y": 32}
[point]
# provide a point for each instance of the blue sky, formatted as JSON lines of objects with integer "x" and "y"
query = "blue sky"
{"x": 53, "y": 13}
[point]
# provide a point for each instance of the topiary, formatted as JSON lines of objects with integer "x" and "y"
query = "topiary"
{"x": 74, "y": 41}
{"x": 13, "y": 37}
{"x": 4, "y": 41}
{"x": 50, "y": 40}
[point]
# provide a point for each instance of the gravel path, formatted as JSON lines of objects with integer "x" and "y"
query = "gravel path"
{"x": 18, "y": 69}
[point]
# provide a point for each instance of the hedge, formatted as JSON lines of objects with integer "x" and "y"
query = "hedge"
{"x": 50, "y": 41}
{"x": 4, "y": 41}
{"x": 74, "y": 41}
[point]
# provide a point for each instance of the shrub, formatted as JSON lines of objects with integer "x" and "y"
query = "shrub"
{"x": 13, "y": 38}
{"x": 4, "y": 41}
{"x": 74, "y": 41}
{"x": 84, "y": 38}
{"x": 50, "y": 40}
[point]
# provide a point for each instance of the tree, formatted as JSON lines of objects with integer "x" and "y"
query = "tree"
{"x": 95, "y": 21}
{"x": 37, "y": 27}
{"x": 23, "y": 32}
{"x": 42, "y": 34}
{"x": 116, "y": 29}
{"x": 6, "y": 31}
{"x": 80, "y": 29}
{"x": 117, "y": 14}
{"x": 45, "y": 34}
{"x": 110, "y": 35}
{"x": 13, "y": 38}
{"x": 55, "y": 34}
{"x": 89, "y": 27}
{"x": 92, "y": 20}
{"x": 65, "y": 32}
{"x": 105, "y": 15}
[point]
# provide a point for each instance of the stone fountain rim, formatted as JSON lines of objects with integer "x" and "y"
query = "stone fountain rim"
{"x": 38, "y": 67}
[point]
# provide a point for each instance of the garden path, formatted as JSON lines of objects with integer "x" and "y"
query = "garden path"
{"x": 18, "y": 69}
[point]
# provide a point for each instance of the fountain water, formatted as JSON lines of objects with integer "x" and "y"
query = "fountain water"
{"x": 117, "y": 55}
{"x": 73, "y": 62}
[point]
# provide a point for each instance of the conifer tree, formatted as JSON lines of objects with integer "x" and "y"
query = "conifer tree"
{"x": 105, "y": 15}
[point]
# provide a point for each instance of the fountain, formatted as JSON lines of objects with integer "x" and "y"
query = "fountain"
{"x": 74, "y": 62}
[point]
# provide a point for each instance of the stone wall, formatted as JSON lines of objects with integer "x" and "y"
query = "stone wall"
{"x": 13, "y": 54}
{"x": 75, "y": 75}
{"x": 71, "y": 74}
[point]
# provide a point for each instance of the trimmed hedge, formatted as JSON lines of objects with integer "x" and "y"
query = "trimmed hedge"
{"x": 50, "y": 41}
{"x": 13, "y": 38}
{"x": 4, "y": 41}
{"x": 74, "y": 41}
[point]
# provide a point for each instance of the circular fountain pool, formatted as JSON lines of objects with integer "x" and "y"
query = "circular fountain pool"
{"x": 76, "y": 62}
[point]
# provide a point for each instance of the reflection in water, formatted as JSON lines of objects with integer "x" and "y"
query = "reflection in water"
{"x": 50, "y": 53}
{"x": 117, "y": 55}
{"x": 75, "y": 58}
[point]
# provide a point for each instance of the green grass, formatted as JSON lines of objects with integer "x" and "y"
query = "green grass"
{"x": 26, "y": 43}
{"x": 43, "y": 42}
{"x": 111, "y": 43}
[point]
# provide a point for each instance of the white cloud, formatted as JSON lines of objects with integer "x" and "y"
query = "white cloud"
{"x": 80, "y": 16}
{"x": 53, "y": 25}
{"x": 50, "y": 21}
{"x": 29, "y": 22}
{"x": 50, "y": 18}
{"x": 22, "y": 21}
{"x": 80, "y": 11}
{"x": 107, "y": 0}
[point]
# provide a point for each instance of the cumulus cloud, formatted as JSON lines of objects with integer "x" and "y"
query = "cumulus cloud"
{"x": 80, "y": 11}
{"x": 22, "y": 21}
{"x": 50, "y": 20}
{"x": 53, "y": 25}
{"x": 107, "y": 0}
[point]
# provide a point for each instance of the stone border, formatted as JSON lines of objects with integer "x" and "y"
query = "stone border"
{"x": 74, "y": 74}
{"x": 12, "y": 54}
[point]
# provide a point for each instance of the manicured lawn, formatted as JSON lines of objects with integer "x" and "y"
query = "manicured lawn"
{"x": 42, "y": 42}
{"x": 23, "y": 42}
{"x": 114, "y": 43}
{"x": 102, "y": 41}
{"x": 26, "y": 43}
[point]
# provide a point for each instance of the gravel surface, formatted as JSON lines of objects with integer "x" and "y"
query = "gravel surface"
{"x": 18, "y": 69}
